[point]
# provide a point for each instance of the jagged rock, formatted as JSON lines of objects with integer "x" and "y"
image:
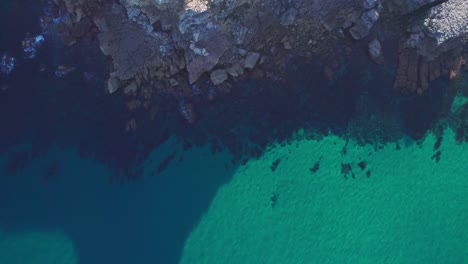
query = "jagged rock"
{"x": 444, "y": 27}
{"x": 112, "y": 85}
{"x": 235, "y": 70}
{"x": 251, "y": 60}
{"x": 152, "y": 45}
{"x": 375, "y": 51}
{"x": 7, "y": 64}
{"x": 363, "y": 26}
{"x": 218, "y": 76}
{"x": 432, "y": 48}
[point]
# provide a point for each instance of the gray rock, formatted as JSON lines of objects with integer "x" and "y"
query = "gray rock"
{"x": 7, "y": 64}
{"x": 363, "y": 26}
{"x": 442, "y": 29}
{"x": 375, "y": 51}
{"x": 251, "y": 60}
{"x": 218, "y": 76}
{"x": 112, "y": 85}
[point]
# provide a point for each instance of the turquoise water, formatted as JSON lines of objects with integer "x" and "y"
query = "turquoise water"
{"x": 203, "y": 209}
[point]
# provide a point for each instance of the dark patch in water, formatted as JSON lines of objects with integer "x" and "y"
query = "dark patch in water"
{"x": 274, "y": 199}
{"x": 315, "y": 168}
{"x": 275, "y": 164}
{"x": 17, "y": 162}
{"x": 368, "y": 173}
{"x": 346, "y": 169}
{"x": 362, "y": 165}
{"x": 344, "y": 150}
{"x": 436, "y": 156}
{"x": 163, "y": 165}
{"x": 397, "y": 147}
{"x": 52, "y": 171}
{"x": 461, "y": 128}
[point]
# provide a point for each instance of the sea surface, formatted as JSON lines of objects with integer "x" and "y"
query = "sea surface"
{"x": 309, "y": 171}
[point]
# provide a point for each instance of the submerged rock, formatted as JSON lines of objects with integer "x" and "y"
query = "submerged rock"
{"x": 7, "y": 64}
{"x": 31, "y": 44}
{"x": 375, "y": 51}
{"x": 63, "y": 70}
{"x": 218, "y": 76}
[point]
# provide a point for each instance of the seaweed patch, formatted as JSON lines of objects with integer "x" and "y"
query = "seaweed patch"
{"x": 346, "y": 169}
{"x": 362, "y": 165}
{"x": 315, "y": 168}
{"x": 436, "y": 156}
{"x": 275, "y": 164}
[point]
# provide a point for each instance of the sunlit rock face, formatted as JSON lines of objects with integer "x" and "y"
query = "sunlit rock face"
{"x": 197, "y": 5}
{"x": 433, "y": 47}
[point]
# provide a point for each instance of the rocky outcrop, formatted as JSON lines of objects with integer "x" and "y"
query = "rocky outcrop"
{"x": 432, "y": 47}
{"x": 195, "y": 49}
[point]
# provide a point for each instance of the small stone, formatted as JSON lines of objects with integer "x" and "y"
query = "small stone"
{"x": 287, "y": 45}
{"x": 112, "y": 85}
{"x": 375, "y": 51}
{"x": 173, "y": 82}
{"x": 131, "y": 88}
{"x": 218, "y": 76}
{"x": 251, "y": 60}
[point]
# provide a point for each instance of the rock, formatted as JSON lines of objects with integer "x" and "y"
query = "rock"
{"x": 251, "y": 60}
{"x": 31, "y": 44}
{"x": 187, "y": 112}
{"x": 235, "y": 70}
{"x": 173, "y": 82}
{"x": 112, "y": 85}
{"x": 363, "y": 26}
{"x": 7, "y": 64}
{"x": 444, "y": 27}
{"x": 218, "y": 76}
{"x": 163, "y": 47}
{"x": 375, "y": 51}
{"x": 288, "y": 18}
{"x": 131, "y": 88}
{"x": 432, "y": 49}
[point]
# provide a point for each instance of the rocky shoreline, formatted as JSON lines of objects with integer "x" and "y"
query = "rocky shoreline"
{"x": 185, "y": 52}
